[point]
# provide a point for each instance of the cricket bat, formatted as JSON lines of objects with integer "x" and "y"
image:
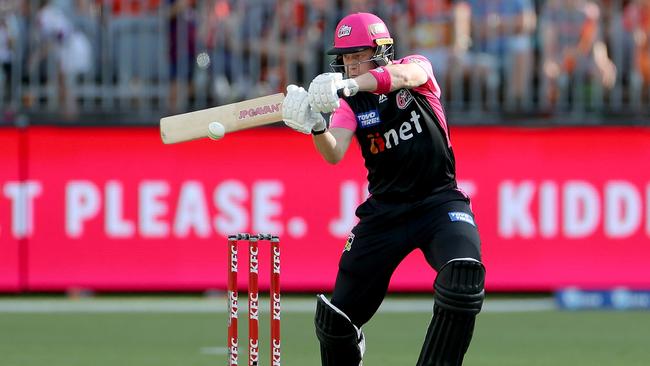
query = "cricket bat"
{"x": 234, "y": 117}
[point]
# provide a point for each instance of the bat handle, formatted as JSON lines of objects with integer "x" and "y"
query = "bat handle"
{"x": 343, "y": 92}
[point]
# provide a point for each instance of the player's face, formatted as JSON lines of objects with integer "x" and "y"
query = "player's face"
{"x": 359, "y": 62}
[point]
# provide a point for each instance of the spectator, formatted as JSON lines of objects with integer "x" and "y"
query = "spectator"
{"x": 262, "y": 34}
{"x": 219, "y": 22}
{"x": 130, "y": 7}
{"x": 302, "y": 26}
{"x": 501, "y": 34}
{"x": 9, "y": 37}
{"x": 636, "y": 22}
{"x": 354, "y": 6}
{"x": 183, "y": 20}
{"x": 283, "y": 57}
{"x": 319, "y": 19}
{"x": 440, "y": 32}
{"x": 58, "y": 41}
{"x": 572, "y": 46}
{"x": 280, "y": 33}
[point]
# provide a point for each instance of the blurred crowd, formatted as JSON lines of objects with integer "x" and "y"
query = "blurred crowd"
{"x": 151, "y": 57}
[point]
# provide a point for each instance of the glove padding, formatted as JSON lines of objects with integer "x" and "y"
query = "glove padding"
{"x": 323, "y": 89}
{"x": 297, "y": 114}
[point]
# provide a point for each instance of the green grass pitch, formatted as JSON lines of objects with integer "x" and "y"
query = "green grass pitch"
{"x": 393, "y": 338}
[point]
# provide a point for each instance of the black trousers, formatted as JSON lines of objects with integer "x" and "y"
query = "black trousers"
{"x": 386, "y": 234}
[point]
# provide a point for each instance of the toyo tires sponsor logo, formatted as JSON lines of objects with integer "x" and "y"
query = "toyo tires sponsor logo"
{"x": 259, "y": 111}
{"x": 368, "y": 119}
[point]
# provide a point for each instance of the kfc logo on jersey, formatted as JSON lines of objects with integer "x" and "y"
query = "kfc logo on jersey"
{"x": 404, "y": 98}
{"x": 368, "y": 119}
{"x": 344, "y": 31}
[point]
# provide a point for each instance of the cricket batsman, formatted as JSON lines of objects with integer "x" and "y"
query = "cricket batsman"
{"x": 394, "y": 112}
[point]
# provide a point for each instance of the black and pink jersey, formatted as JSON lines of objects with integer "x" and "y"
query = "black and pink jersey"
{"x": 403, "y": 137}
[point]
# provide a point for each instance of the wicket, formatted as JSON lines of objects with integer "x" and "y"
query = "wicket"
{"x": 253, "y": 298}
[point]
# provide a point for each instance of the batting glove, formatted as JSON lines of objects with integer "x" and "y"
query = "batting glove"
{"x": 297, "y": 114}
{"x": 323, "y": 89}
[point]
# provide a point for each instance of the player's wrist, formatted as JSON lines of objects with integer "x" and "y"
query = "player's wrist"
{"x": 317, "y": 123}
{"x": 351, "y": 85}
{"x": 315, "y": 132}
{"x": 319, "y": 127}
{"x": 383, "y": 79}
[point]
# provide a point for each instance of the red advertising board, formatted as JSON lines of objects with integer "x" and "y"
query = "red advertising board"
{"x": 560, "y": 207}
{"x": 122, "y": 211}
{"x": 114, "y": 209}
{"x": 11, "y": 210}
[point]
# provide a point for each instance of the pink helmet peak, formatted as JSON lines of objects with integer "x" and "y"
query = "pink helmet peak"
{"x": 359, "y": 31}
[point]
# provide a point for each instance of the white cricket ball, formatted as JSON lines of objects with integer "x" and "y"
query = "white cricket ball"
{"x": 216, "y": 130}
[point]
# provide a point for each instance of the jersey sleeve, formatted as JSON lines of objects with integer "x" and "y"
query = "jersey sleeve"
{"x": 430, "y": 90}
{"x": 431, "y": 86}
{"x": 343, "y": 117}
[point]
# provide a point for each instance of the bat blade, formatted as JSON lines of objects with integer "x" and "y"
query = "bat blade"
{"x": 234, "y": 117}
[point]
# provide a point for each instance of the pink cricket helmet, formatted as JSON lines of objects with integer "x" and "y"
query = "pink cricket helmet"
{"x": 359, "y": 31}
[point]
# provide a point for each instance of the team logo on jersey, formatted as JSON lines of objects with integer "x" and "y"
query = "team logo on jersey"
{"x": 344, "y": 31}
{"x": 348, "y": 243}
{"x": 382, "y": 98}
{"x": 368, "y": 119}
{"x": 461, "y": 216}
{"x": 404, "y": 98}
